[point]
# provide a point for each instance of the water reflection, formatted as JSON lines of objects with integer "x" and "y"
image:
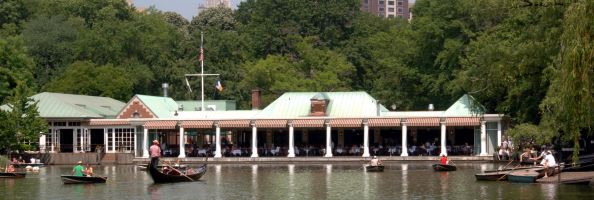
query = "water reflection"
{"x": 290, "y": 181}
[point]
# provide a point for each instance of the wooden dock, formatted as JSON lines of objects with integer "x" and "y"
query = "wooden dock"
{"x": 569, "y": 178}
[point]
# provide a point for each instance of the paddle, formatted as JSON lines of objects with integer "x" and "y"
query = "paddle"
{"x": 178, "y": 171}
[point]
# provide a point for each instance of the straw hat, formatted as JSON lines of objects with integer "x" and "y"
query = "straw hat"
{"x": 155, "y": 142}
{"x": 79, "y": 162}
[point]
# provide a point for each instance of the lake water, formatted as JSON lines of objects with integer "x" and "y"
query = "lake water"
{"x": 411, "y": 180}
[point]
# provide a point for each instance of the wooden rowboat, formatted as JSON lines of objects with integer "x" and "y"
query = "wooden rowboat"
{"x": 523, "y": 176}
{"x": 491, "y": 176}
{"x": 440, "y": 167}
{"x": 13, "y": 174}
{"x": 377, "y": 168}
{"x": 176, "y": 175}
{"x": 67, "y": 179}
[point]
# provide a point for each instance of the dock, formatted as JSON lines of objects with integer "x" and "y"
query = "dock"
{"x": 569, "y": 178}
{"x": 316, "y": 159}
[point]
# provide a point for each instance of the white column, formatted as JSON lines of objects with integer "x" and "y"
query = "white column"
{"x": 145, "y": 153}
{"x": 444, "y": 150}
{"x": 182, "y": 142}
{"x": 42, "y": 143}
{"x": 82, "y": 140}
{"x": 328, "y": 141}
{"x": 74, "y": 141}
{"x": 365, "y": 140}
{"x": 404, "y": 143}
{"x": 254, "y": 141}
{"x": 483, "y": 139}
{"x": 53, "y": 132}
{"x": 291, "y": 141}
{"x": 113, "y": 148}
{"x": 218, "y": 142}
{"x": 499, "y": 133}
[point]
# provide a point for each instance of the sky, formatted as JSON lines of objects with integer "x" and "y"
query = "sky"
{"x": 187, "y": 8}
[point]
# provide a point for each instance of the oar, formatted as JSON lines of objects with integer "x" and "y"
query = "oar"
{"x": 179, "y": 171}
{"x": 508, "y": 172}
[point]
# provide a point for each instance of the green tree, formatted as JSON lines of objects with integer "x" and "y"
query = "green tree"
{"x": 88, "y": 78}
{"x": 569, "y": 103}
{"x": 21, "y": 125}
{"x": 15, "y": 66}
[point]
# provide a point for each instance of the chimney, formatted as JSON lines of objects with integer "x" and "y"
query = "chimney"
{"x": 256, "y": 99}
{"x": 165, "y": 87}
{"x": 431, "y": 108}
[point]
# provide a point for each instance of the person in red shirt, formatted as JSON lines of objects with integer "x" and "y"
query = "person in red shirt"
{"x": 155, "y": 152}
{"x": 444, "y": 159}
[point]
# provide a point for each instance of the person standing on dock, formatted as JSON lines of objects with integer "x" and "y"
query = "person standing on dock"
{"x": 155, "y": 152}
{"x": 549, "y": 162}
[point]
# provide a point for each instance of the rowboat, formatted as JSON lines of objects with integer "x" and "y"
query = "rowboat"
{"x": 491, "y": 176}
{"x": 23, "y": 165}
{"x": 440, "y": 167}
{"x": 511, "y": 169}
{"x": 523, "y": 176}
{"x": 376, "y": 168}
{"x": 67, "y": 179}
{"x": 175, "y": 175}
{"x": 13, "y": 174}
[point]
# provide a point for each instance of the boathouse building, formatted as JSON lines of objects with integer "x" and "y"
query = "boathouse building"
{"x": 296, "y": 124}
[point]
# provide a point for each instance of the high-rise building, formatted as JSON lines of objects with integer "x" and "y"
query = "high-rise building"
{"x": 387, "y": 8}
{"x": 214, "y": 3}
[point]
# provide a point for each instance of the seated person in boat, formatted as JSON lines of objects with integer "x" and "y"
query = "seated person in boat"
{"x": 444, "y": 160}
{"x": 10, "y": 168}
{"x": 78, "y": 169}
{"x": 549, "y": 162}
{"x": 89, "y": 170}
{"x": 190, "y": 171}
{"x": 525, "y": 156}
{"x": 375, "y": 161}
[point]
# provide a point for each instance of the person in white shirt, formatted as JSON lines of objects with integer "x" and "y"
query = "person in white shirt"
{"x": 375, "y": 161}
{"x": 549, "y": 162}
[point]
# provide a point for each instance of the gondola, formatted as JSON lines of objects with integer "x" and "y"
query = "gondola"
{"x": 67, "y": 179}
{"x": 376, "y": 168}
{"x": 492, "y": 176}
{"x": 175, "y": 175}
{"x": 440, "y": 167}
{"x": 13, "y": 174}
{"x": 144, "y": 167}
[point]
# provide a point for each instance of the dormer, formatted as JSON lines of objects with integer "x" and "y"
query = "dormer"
{"x": 319, "y": 104}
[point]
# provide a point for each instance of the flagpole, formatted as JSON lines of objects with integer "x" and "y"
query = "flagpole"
{"x": 202, "y": 70}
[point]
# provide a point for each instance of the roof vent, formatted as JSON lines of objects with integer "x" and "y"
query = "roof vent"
{"x": 431, "y": 108}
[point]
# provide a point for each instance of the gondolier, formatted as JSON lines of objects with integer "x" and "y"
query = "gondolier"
{"x": 155, "y": 151}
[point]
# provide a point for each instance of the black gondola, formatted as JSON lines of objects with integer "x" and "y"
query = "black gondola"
{"x": 175, "y": 175}
{"x": 13, "y": 174}
{"x": 440, "y": 167}
{"x": 376, "y": 168}
{"x": 67, "y": 179}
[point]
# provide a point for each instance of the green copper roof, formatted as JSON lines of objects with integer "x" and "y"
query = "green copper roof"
{"x": 57, "y": 105}
{"x": 465, "y": 106}
{"x": 220, "y": 105}
{"x": 162, "y": 107}
{"x": 341, "y": 104}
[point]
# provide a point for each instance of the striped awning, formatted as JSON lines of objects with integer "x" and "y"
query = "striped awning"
{"x": 386, "y": 122}
{"x": 102, "y": 122}
{"x": 271, "y": 123}
{"x": 197, "y": 124}
{"x": 432, "y": 121}
{"x": 160, "y": 124}
{"x": 462, "y": 121}
{"x": 346, "y": 123}
{"x": 308, "y": 123}
{"x": 234, "y": 123}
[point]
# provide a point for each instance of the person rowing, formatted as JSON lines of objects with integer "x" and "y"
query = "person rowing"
{"x": 444, "y": 159}
{"x": 78, "y": 169}
{"x": 375, "y": 161}
{"x": 155, "y": 152}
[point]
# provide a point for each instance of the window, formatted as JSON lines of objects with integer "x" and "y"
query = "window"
{"x": 399, "y": 10}
{"x": 391, "y": 16}
{"x": 381, "y": 9}
{"x": 400, "y": 3}
{"x": 390, "y": 2}
{"x": 381, "y": 3}
{"x": 390, "y": 9}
